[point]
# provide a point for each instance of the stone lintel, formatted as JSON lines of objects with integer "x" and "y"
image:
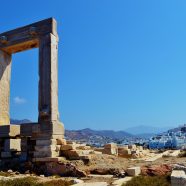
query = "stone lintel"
{"x": 26, "y": 37}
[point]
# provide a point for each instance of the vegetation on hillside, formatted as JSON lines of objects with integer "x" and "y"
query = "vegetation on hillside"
{"x": 149, "y": 181}
{"x": 31, "y": 181}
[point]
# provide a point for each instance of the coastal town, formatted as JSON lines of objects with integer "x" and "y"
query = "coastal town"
{"x": 171, "y": 139}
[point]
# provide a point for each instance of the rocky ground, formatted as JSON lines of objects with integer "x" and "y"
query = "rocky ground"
{"x": 105, "y": 164}
{"x": 102, "y": 168}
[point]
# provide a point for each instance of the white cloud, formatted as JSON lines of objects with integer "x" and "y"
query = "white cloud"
{"x": 19, "y": 100}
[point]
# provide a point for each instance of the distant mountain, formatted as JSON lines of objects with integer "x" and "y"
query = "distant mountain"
{"x": 146, "y": 130}
{"x": 133, "y": 132}
{"x": 177, "y": 129}
{"x": 87, "y": 133}
{"x": 16, "y": 121}
{"x": 145, "y": 135}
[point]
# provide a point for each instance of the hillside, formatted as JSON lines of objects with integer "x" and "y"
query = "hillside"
{"x": 142, "y": 131}
{"x": 146, "y": 130}
{"x": 87, "y": 133}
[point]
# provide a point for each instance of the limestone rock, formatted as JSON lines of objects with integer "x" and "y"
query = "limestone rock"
{"x": 178, "y": 178}
{"x": 111, "y": 149}
{"x": 110, "y": 145}
{"x": 12, "y": 145}
{"x": 133, "y": 171}
{"x": 68, "y": 147}
{"x": 64, "y": 169}
{"x": 76, "y": 181}
{"x": 61, "y": 141}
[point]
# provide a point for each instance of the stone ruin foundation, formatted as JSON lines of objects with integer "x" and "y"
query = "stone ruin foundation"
{"x": 32, "y": 141}
{"x": 40, "y": 147}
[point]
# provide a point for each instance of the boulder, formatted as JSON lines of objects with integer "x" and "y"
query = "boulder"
{"x": 61, "y": 141}
{"x": 156, "y": 170}
{"x": 68, "y": 147}
{"x": 108, "y": 171}
{"x": 64, "y": 169}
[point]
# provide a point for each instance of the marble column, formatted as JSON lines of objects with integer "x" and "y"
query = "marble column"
{"x": 5, "y": 75}
{"x": 48, "y": 79}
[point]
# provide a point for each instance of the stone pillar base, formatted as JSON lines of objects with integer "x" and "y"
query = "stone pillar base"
{"x": 52, "y": 130}
{"x": 45, "y": 136}
{"x": 10, "y": 141}
{"x": 35, "y": 140}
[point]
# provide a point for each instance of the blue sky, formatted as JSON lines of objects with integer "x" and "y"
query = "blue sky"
{"x": 122, "y": 63}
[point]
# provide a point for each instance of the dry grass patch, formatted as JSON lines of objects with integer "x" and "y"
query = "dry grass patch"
{"x": 32, "y": 181}
{"x": 149, "y": 181}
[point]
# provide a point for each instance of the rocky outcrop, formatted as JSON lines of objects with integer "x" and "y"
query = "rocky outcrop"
{"x": 156, "y": 170}
{"x": 59, "y": 168}
{"x": 104, "y": 171}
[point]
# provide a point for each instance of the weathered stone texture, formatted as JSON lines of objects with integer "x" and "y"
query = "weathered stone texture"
{"x": 48, "y": 84}
{"x": 48, "y": 129}
{"x": 5, "y": 73}
{"x": 133, "y": 171}
{"x": 178, "y": 178}
{"x": 12, "y": 145}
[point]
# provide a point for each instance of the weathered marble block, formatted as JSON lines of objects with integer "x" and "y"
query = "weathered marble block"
{"x": 178, "y": 178}
{"x": 133, "y": 171}
{"x": 12, "y": 145}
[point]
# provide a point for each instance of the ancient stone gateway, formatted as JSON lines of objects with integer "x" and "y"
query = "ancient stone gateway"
{"x": 37, "y": 140}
